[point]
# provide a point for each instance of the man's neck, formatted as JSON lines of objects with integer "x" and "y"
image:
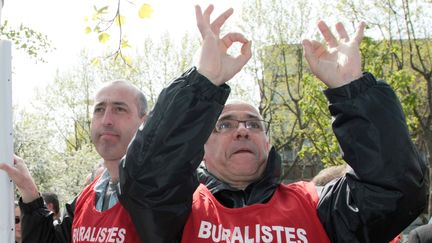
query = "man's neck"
{"x": 112, "y": 167}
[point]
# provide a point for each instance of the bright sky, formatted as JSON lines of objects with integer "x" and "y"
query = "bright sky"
{"x": 63, "y": 22}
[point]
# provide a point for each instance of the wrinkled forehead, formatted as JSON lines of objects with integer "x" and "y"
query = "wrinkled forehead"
{"x": 240, "y": 111}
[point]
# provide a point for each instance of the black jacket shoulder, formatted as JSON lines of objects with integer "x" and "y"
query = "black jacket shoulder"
{"x": 385, "y": 190}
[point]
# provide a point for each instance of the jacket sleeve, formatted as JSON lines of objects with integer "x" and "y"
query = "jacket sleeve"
{"x": 158, "y": 174}
{"x": 385, "y": 191}
{"x": 37, "y": 223}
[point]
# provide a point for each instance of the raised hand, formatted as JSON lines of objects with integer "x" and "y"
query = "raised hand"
{"x": 20, "y": 175}
{"x": 214, "y": 62}
{"x": 340, "y": 62}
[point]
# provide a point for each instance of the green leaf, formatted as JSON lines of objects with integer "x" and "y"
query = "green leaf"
{"x": 87, "y": 30}
{"x": 95, "y": 61}
{"x": 145, "y": 11}
{"x": 128, "y": 60}
{"x": 104, "y": 37}
{"x": 102, "y": 10}
{"x": 124, "y": 43}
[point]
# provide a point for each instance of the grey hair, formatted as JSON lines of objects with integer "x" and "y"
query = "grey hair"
{"x": 142, "y": 104}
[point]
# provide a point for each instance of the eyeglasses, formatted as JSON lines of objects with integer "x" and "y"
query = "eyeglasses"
{"x": 17, "y": 220}
{"x": 229, "y": 125}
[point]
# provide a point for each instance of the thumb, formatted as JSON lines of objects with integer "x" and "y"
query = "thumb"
{"x": 7, "y": 168}
{"x": 246, "y": 54}
{"x": 309, "y": 54}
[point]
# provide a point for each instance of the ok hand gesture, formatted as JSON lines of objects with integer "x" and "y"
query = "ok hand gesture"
{"x": 340, "y": 62}
{"x": 214, "y": 62}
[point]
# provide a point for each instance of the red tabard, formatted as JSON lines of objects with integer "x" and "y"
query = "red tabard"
{"x": 91, "y": 225}
{"x": 289, "y": 216}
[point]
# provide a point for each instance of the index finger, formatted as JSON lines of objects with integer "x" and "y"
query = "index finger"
{"x": 327, "y": 34}
{"x": 359, "y": 32}
{"x": 219, "y": 21}
{"x": 232, "y": 37}
{"x": 343, "y": 35}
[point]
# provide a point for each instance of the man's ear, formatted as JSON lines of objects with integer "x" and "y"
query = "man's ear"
{"x": 143, "y": 122}
{"x": 50, "y": 206}
{"x": 144, "y": 118}
{"x": 205, "y": 154}
{"x": 268, "y": 144}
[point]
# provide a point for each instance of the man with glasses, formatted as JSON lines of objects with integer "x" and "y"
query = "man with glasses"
{"x": 17, "y": 223}
{"x": 239, "y": 197}
{"x": 236, "y": 151}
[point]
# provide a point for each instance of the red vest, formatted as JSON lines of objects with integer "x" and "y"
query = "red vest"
{"x": 111, "y": 225}
{"x": 289, "y": 216}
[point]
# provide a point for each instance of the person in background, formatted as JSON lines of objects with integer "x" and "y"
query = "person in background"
{"x": 329, "y": 174}
{"x": 53, "y": 205}
{"x": 95, "y": 173}
{"x": 421, "y": 234}
{"x": 17, "y": 223}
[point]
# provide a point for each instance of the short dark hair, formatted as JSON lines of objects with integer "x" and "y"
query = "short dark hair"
{"x": 52, "y": 198}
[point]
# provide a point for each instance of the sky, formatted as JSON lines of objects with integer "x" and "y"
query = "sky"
{"x": 63, "y": 22}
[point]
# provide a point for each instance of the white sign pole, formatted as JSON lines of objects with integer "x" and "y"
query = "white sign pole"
{"x": 1, "y": 6}
{"x": 7, "y": 208}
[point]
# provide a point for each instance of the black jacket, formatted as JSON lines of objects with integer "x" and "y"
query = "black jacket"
{"x": 373, "y": 203}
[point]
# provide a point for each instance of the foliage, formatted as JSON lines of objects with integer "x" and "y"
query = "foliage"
{"x": 68, "y": 103}
{"x": 111, "y": 17}
{"x": 318, "y": 132}
{"x": 55, "y": 140}
{"x": 32, "y": 42}
{"x": 31, "y": 138}
{"x": 153, "y": 65}
{"x": 291, "y": 99}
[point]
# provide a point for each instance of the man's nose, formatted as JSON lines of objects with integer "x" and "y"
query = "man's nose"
{"x": 241, "y": 131}
{"x": 107, "y": 118}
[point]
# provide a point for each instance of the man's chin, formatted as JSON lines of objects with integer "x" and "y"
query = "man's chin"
{"x": 109, "y": 158}
{"x": 246, "y": 163}
{"x": 110, "y": 154}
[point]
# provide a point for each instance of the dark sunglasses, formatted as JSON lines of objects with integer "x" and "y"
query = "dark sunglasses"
{"x": 17, "y": 220}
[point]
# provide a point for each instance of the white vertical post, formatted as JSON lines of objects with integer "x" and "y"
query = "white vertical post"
{"x": 1, "y": 6}
{"x": 7, "y": 209}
